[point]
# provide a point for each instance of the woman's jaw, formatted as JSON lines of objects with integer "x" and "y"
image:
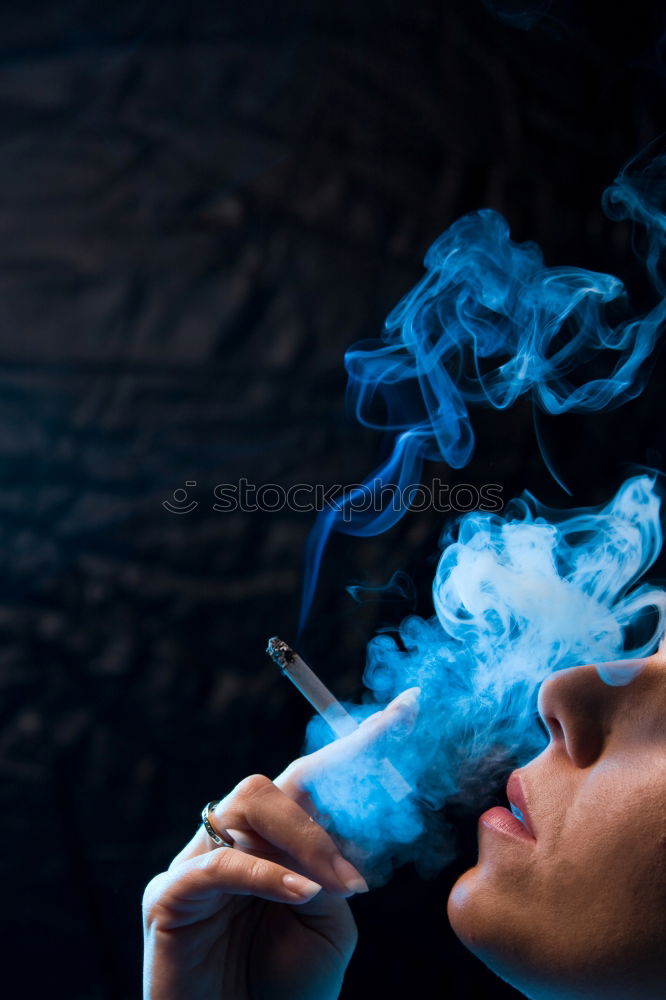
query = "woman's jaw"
{"x": 568, "y": 896}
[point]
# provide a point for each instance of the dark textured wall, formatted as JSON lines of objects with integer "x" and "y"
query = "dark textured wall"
{"x": 201, "y": 207}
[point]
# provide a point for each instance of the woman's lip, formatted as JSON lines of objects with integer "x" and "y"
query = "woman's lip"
{"x": 499, "y": 818}
{"x": 516, "y": 796}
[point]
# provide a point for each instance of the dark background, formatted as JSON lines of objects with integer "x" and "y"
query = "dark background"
{"x": 201, "y": 206}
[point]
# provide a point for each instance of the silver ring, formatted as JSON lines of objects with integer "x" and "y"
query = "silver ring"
{"x": 221, "y": 841}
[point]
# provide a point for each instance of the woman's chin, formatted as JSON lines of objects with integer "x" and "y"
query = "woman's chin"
{"x": 464, "y": 913}
{"x": 482, "y": 924}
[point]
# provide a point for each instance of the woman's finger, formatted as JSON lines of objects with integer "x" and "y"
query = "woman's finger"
{"x": 242, "y": 838}
{"x": 196, "y": 889}
{"x": 281, "y": 828}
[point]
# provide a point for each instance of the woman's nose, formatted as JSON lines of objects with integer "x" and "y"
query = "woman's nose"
{"x": 577, "y": 706}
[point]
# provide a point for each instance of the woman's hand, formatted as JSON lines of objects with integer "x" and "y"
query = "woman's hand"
{"x": 267, "y": 919}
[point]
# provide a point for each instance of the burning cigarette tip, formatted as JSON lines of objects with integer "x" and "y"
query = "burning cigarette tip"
{"x": 280, "y": 652}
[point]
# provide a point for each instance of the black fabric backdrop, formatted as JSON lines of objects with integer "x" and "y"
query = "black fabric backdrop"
{"x": 202, "y": 205}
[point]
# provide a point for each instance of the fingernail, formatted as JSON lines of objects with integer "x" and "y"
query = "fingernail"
{"x": 348, "y": 875}
{"x": 405, "y": 709}
{"x": 407, "y": 699}
{"x": 300, "y": 886}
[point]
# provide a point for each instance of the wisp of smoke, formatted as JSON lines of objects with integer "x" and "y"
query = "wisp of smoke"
{"x": 516, "y": 597}
{"x": 488, "y": 323}
{"x": 399, "y": 587}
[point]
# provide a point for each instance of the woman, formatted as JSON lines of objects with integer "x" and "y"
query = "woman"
{"x": 567, "y": 902}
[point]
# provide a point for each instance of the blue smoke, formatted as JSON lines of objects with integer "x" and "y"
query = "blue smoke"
{"x": 399, "y": 588}
{"x": 516, "y": 597}
{"x": 488, "y": 323}
{"x": 639, "y": 194}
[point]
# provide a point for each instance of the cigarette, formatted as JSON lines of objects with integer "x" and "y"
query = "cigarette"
{"x": 329, "y": 708}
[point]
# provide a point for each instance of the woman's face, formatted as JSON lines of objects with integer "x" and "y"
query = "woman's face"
{"x": 579, "y": 908}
